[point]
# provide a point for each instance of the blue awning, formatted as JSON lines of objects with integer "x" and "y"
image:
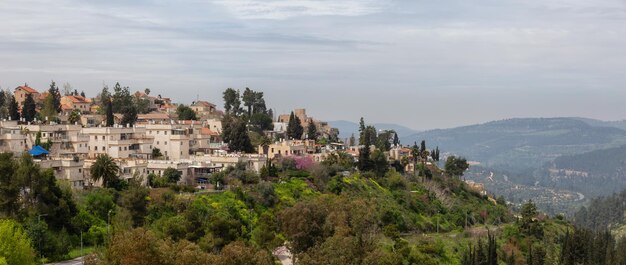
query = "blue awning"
{"x": 38, "y": 150}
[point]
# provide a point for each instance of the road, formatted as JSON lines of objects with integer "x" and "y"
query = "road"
{"x": 76, "y": 261}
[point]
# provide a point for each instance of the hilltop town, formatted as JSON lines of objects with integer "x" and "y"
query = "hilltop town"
{"x": 146, "y": 135}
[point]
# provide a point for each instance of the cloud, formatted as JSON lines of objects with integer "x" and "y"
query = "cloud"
{"x": 282, "y": 9}
{"x": 403, "y": 56}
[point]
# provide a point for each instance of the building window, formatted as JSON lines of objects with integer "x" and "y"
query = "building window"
{"x": 119, "y": 148}
{"x": 165, "y": 143}
{"x": 95, "y": 148}
{"x": 80, "y": 170}
{"x": 103, "y": 149}
{"x": 165, "y": 132}
{"x": 157, "y": 142}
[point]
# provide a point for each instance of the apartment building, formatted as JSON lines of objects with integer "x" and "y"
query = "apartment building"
{"x": 119, "y": 142}
{"x": 288, "y": 148}
{"x": 12, "y": 139}
{"x": 71, "y": 169}
{"x": 158, "y": 167}
{"x": 222, "y": 160}
{"x": 67, "y": 140}
{"x": 172, "y": 139}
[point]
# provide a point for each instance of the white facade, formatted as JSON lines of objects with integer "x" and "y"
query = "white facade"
{"x": 171, "y": 139}
{"x": 119, "y": 142}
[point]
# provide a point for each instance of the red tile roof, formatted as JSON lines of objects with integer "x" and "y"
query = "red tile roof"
{"x": 207, "y": 131}
{"x": 203, "y": 104}
{"x": 78, "y": 99}
{"x": 27, "y": 89}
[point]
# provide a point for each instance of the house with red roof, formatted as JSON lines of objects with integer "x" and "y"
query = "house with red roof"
{"x": 22, "y": 91}
{"x": 203, "y": 108}
{"x": 70, "y": 103}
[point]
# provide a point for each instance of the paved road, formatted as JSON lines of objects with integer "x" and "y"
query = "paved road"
{"x": 76, "y": 261}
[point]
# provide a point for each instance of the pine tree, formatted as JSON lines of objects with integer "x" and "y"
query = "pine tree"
{"x": 56, "y": 97}
{"x": 312, "y": 131}
{"x": 423, "y": 146}
{"x": 29, "y": 108}
{"x": 14, "y": 113}
{"x": 352, "y": 140}
{"x": 82, "y": 93}
{"x": 361, "y": 131}
{"x": 365, "y": 160}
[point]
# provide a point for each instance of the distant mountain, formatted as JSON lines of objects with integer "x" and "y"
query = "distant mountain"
{"x": 598, "y": 123}
{"x": 521, "y": 144}
{"x": 594, "y": 173}
{"x": 347, "y": 128}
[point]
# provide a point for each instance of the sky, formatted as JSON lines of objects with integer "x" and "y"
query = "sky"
{"x": 420, "y": 63}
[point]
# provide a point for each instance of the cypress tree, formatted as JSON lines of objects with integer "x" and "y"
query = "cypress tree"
{"x": 312, "y": 131}
{"x": 29, "y": 108}
{"x": 109, "y": 112}
{"x": 14, "y": 113}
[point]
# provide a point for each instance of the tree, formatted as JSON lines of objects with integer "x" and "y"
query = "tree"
{"x": 14, "y": 113}
{"x": 105, "y": 169}
{"x": 29, "y": 108}
{"x": 3, "y": 98}
{"x": 134, "y": 201}
{"x": 294, "y": 127}
{"x": 56, "y": 96}
{"x": 156, "y": 153}
{"x": 456, "y": 166}
{"x": 48, "y": 110}
{"x": 15, "y": 246}
{"x": 109, "y": 113}
{"x": 248, "y": 97}
{"x": 185, "y": 113}
{"x": 423, "y": 146}
{"x": 82, "y": 93}
{"x": 172, "y": 175}
{"x": 352, "y": 140}
{"x": 232, "y": 102}
{"x": 122, "y": 99}
{"x": 396, "y": 140}
{"x": 260, "y": 122}
{"x": 74, "y": 116}
{"x": 129, "y": 115}
{"x": 259, "y": 104}
{"x": 10, "y": 186}
{"x": 381, "y": 165}
{"x": 311, "y": 131}
{"x": 235, "y": 133}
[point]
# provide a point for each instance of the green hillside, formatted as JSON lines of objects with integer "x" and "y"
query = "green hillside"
{"x": 519, "y": 144}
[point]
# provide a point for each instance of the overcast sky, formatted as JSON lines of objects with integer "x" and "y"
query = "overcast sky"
{"x": 420, "y": 63}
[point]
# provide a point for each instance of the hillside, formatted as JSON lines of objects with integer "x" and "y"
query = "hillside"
{"x": 519, "y": 144}
{"x": 347, "y": 128}
{"x": 594, "y": 173}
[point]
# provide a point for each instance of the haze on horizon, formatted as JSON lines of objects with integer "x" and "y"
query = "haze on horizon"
{"x": 422, "y": 64}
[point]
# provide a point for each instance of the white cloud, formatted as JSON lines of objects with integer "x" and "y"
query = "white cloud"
{"x": 283, "y": 9}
